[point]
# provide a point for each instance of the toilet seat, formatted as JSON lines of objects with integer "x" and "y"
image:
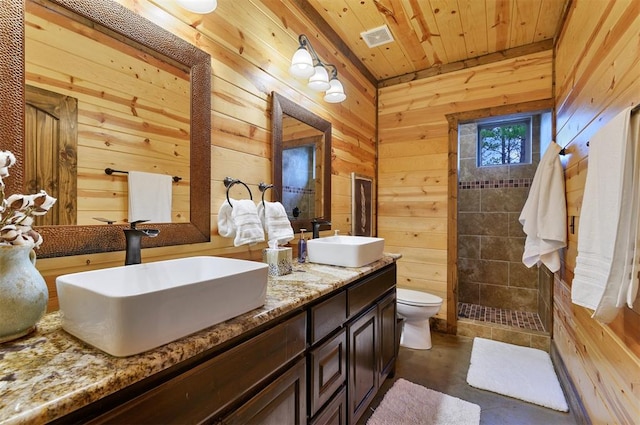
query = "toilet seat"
{"x": 417, "y": 298}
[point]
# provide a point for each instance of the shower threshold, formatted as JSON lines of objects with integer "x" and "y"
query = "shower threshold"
{"x": 517, "y": 319}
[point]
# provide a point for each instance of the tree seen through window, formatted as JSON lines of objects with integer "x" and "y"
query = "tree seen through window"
{"x": 504, "y": 143}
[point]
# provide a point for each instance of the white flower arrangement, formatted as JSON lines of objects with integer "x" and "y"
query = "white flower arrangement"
{"x": 17, "y": 211}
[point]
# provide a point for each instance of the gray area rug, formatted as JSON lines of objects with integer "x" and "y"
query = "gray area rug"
{"x": 408, "y": 403}
{"x": 519, "y": 372}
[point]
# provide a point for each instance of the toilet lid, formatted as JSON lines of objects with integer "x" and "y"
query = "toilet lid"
{"x": 417, "y": 298}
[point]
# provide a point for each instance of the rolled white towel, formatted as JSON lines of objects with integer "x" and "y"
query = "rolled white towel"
{"x": 226, "y": 228}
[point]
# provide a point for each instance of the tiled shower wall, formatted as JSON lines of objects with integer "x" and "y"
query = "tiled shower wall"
{"x": 490, "y": 237}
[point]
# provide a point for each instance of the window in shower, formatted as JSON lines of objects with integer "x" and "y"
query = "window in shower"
{"x": 504, "y": 142}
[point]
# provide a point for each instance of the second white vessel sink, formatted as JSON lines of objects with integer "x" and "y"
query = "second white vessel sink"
{"x": 345, "y": 251}
{"x": 131, "y": 309}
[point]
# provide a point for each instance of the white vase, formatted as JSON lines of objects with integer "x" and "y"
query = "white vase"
{"x": 23, "y": 292}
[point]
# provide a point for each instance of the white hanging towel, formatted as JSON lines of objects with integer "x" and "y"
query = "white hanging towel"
{"x": 603, "y": 276}
{"x": 634, "y": 285}
{"x": 239, "y": 220}
{"x": 149, "y": 197}
{"x": 544, "y": 215}
{"x": 275, "y": 222}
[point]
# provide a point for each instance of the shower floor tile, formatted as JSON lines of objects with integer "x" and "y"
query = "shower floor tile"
{"x": 519, "y": 319}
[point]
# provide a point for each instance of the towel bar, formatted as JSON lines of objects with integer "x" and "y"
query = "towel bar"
{"x": 563, "y": 151}
{"x": 110, "y": 171}
{"x": 229, "y": 181}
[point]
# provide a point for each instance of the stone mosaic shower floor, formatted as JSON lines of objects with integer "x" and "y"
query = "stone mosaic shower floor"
{"x": 519, "y": 319}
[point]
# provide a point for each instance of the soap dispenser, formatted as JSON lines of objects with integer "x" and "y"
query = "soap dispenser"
{"x": 302, "y": 247}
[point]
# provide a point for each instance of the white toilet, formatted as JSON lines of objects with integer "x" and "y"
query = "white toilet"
{"x": 416, "y": 307}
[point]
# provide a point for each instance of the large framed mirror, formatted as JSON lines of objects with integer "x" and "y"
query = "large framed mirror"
{"x": 301, "y": 163}
{"x": 153, "y": 44}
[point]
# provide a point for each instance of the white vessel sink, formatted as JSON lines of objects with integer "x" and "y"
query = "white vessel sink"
{"x": 130, "y": 309}
{"x": 345, "y": 251}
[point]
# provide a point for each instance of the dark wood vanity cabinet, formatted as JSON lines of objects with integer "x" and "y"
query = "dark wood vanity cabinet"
{"x": 322, "y": 364}
{"x": 359, "y": 354}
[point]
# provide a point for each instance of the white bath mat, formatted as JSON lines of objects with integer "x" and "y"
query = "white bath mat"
{"x": 407, "y": 403}
{"x": 519, "y": 372}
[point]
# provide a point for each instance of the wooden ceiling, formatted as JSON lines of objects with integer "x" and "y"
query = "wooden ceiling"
{"x": 434, "y": 34}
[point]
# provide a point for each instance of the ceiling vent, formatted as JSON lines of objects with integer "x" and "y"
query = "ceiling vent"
{"x": 377, "y": 36}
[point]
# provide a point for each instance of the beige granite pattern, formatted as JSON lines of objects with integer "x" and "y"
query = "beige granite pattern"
{"x": 50, "y": 373}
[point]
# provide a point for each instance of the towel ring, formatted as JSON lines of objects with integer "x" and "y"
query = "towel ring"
{"x": 228, "y": 182}
{"x": 264, "y": 187}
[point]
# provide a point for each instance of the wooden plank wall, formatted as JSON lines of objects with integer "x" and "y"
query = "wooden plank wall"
{"x": 251, "y": 44}
{"x": 413, "y": 166}
{"x": 597, "y": 76}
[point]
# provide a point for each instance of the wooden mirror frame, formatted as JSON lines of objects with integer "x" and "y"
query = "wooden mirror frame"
{"x": 121, "y": 22}
{"x": 281, "y": 105}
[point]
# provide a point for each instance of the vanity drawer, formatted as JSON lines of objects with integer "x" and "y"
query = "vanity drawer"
{"x": 334, "y": 413}
{"x": 283, "y": 401}
{"x": 216, "y": 384}
{"x": 327, "y": 316}
{"x": 328, "y": 364}
{"x": 361, "y": 295}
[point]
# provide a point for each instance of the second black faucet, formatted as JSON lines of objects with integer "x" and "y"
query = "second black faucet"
{"x": 316, "y": 223}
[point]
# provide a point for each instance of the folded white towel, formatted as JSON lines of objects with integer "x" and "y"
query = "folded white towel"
{"x": 240, "y": 221}
{"x": 275, "y": 222}
{"x": 606, "y": 238}
{"x": 544, "y": 215}
{"x": 149, "y": 197}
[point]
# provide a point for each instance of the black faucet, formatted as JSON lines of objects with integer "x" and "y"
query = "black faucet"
{"x": 316, "y": 223}
{"x": 133, "y": 237}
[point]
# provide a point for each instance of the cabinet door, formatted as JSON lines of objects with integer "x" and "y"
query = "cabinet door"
{"x": 387, "y": 335}
{"x": 363, "y": 363}
{"x": 328, "y": 364}
{"x": 281, "y": 402}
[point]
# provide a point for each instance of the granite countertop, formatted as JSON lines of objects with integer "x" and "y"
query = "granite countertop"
{"x": 50, "y": 373}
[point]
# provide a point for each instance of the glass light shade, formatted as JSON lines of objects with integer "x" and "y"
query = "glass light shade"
{"x": 335, "y": 94}
{"x": 301, "y": 64}
{"x": 199, "y": 6}
{"x": 319, "y": 81}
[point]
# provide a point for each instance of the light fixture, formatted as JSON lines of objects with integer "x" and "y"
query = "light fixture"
{"x": 302, "y": 64}
{"x": 199, "y": 6}
{"x": 335, "y": 94}
{"x": 319, "y": 81}
{"x": 306, "y": 64}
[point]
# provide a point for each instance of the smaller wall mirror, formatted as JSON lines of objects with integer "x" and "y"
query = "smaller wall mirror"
{"x": 301, "y": 163}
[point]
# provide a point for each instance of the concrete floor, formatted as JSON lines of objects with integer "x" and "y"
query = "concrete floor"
{"x": 444, "y": 369}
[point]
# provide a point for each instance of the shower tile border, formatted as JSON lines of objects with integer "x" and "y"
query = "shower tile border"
{"x": 494, "y": 184}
